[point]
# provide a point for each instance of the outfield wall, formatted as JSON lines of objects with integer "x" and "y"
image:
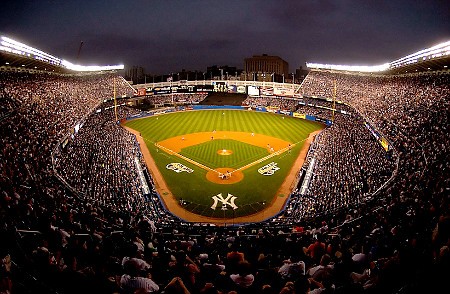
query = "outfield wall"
{"x": 327, "y": 122}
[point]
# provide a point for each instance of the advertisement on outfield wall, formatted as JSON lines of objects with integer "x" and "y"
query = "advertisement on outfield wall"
{"x": 162, "y": 90}
{"x": 282, "y": 91}
{"x": 267, "y": 91}
{"x": 177, "y": 89}
{"x": 285, "y": 112}
{"x": 273, "y": 109}
{"x": 141, "y": 92}
{"x": 241, "y": 89}
{"x": 183, "y": 89}
{"x": 299, "y": 115}
{"x": 252, "y": 91}
{"x": 204, "y": 88}
{"x": 220, "y": 87}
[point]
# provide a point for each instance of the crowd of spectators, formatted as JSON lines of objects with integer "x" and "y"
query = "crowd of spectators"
{"x": 100, "y": 162}
{"x": 410, "y": 111}
{"x": 176, "y": 98}
{"x": 56, "y": 242}
{"x": 273, "y": 101}
{"x": 350, "y": 165}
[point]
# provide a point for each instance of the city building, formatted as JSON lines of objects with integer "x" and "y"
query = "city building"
{"x": 135, "y": 74}
{"x": 261, "y": 67}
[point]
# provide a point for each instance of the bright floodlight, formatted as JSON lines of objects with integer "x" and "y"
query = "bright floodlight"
{"x": 437, "y": 51}
{"x": 77, "y": 67}
{"x": 359, "y": 68}
{"x": 11, "y": 46}
{"x": 440, "y": 50}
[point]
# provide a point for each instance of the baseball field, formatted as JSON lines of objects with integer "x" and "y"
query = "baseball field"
{"x": 223, "y": 165}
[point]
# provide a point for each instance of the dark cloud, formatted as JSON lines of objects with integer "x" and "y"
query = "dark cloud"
{"x": 167, "y": 36}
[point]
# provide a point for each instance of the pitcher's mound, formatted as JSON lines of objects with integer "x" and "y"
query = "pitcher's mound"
{"x": 223, "y": 175}
{"x": 224, "y": 152}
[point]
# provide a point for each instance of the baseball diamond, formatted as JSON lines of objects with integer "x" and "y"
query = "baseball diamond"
{"x": 256, "y": 170}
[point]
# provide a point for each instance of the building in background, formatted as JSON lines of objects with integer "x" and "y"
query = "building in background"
{"x": 135, "y": 74}
{"x": 300, "y": 74}
{"x": 265, "y": 68}
{"x": 223, "y": 72}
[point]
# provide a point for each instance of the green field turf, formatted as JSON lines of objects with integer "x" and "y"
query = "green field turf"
{"x": 206, "y": 153}
{"x": 255, "y": 191}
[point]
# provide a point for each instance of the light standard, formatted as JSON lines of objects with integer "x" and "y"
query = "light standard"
{"x": 283, "y": 78}
{"x": 171, "y": 81}
{"x": 227, "y": 75}
{"x": 293, "y": 78}
{"x": 204, "y": 78}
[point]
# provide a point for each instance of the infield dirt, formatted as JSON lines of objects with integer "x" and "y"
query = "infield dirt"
{"x": 177, "y": 143}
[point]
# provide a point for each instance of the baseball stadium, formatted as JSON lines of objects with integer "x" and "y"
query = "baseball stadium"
{"x": 345, "y": 172}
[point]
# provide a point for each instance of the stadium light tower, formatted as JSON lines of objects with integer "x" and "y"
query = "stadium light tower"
{"x": 79, "y": 51}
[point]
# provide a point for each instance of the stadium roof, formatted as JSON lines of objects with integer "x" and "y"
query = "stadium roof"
{"x": 435, "y": 64}
{"x": 434, "y": 58}
{"x": 19, "y": 61}
{"x": 16, "y": 54}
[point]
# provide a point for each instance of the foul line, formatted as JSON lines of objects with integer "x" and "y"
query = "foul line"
{"x": 239, "y": 169}
{"x": 268, "y": 156}
{"x": 186, "y": 158}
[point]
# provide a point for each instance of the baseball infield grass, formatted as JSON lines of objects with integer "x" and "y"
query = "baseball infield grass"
{"x": 251, "y": 194}
{"x": 242, "y": 153}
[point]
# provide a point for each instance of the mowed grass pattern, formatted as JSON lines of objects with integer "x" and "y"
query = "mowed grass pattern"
{"x": 242, "y": 153}
{"x": 158, "y": 128}
{"x": 255, "y": 191}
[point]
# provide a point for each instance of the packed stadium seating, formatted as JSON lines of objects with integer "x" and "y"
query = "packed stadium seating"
{"x": 74, "y": 219}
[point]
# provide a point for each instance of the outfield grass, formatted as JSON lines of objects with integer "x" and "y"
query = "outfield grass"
{"x": 255, "y": 191}
{"x": 206, "y": 153}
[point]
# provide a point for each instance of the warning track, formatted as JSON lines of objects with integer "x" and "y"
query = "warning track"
{"x": 179, "y": 142}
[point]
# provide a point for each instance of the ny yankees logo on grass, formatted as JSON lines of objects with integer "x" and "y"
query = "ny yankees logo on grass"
{"x": 178, "y": 167}
{"x": 225, "y": 202}
{"x": 268, "y": 169}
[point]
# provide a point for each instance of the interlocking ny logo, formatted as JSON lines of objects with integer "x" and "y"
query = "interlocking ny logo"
{"x": 178, "y": 167}
{"x": 225, "y": 202}
{"x": 269, "y": 169}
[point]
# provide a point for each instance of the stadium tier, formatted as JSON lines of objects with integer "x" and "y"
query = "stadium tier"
{"x": 366, "y": 211}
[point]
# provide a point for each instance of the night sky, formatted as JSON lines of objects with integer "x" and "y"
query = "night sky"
{"x": 168, "y": 36}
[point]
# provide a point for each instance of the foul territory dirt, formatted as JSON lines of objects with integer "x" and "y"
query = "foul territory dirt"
{"x": 224, "y": 175}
